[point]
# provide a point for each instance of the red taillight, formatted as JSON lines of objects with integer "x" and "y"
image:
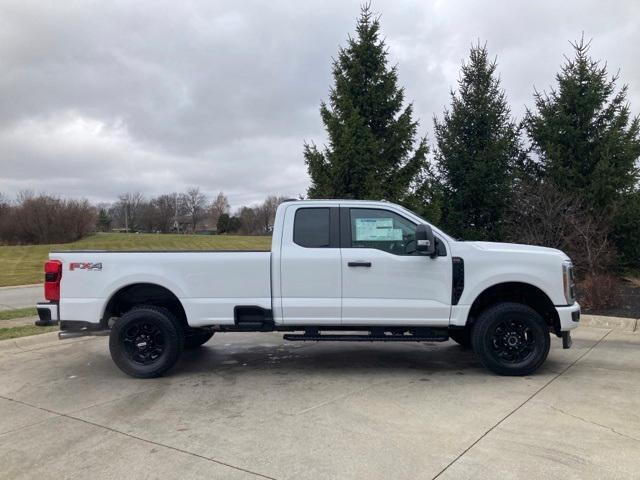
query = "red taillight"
{"x": 52, "y": 277}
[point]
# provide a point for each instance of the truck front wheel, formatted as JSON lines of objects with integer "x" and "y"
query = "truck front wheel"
{"x": 146, "y": 341}
{"x": 511, "y": 339}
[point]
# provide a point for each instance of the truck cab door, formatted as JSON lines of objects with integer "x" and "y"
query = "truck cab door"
{"x": 310, "y": 266}
{"x": 385, "y": 280}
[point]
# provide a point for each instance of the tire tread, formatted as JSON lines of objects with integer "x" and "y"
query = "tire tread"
{"x": 175, "y": 343}
{"x": 481, "y": 329}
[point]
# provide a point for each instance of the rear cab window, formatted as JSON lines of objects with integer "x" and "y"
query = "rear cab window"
{"x": 311, "y": 228}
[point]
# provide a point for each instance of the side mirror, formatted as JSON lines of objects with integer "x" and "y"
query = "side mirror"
{"x": 425, "y": 241}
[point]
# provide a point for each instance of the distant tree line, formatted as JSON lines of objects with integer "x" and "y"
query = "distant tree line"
{"x": 565, "y": 176}
{"x": 188, "y": 212}
{"x": 40, "y": 219}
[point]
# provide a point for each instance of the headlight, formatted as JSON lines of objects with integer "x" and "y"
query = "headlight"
{"x": 568, "y": 282}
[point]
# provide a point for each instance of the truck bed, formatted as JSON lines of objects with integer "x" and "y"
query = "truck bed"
{"x": 209, "y": 284}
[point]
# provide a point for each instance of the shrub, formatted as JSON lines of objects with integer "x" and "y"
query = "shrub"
{"x": 599, "y": 291}
{"x": 46, "y": 219}
{"x": 545, "y": 215}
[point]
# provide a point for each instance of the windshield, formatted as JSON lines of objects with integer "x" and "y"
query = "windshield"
{"x": 418, "y": 218}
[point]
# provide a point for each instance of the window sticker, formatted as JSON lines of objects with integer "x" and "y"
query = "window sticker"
{"x": 377, "y": 230}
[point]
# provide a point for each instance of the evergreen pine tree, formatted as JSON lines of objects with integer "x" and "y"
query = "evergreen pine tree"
{"x": 370, "y": 153}
{"x": 626, "y": 230}
{"x": 224, "y": 223}
{"x": 583, "y": 134}
{"x": 588, "y": 144}
{"x": 477, "y": 148}
{"x": 104, "y": 221}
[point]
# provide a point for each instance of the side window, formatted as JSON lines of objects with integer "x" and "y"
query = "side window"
{"x": 382, "y": 229}
{"x": 311, "y": 228}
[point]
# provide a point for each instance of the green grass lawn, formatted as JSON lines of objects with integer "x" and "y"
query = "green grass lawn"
{"x": 24, "y": 331}
{"x": 18, "y": 313}
{"x": 21, "y": 265}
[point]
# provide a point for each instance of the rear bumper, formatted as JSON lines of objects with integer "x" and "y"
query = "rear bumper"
{"x": 569, "y": 316}
{"x": 48, "y": 314}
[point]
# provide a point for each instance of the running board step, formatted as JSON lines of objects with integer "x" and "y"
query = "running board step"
{"x": 364, "y": 338}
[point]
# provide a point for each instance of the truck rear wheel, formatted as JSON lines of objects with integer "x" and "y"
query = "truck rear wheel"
{"x": 511, "y": 339}
{"x": 146, "y": 341}
{"x": 195, "y": 337}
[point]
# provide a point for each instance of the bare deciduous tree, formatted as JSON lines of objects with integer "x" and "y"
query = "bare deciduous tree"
{"x": 148, "y": 216}
{"x": 127, "y": 210}
{"x": 194, "y": 204}
{"x": 259, "y": 220}
{"x": 219, "y": 206}
{"x": 166, "y": 211}
{"x": 266, "y": 213}
{"x": 4, "y": 205}
{"x": 249, "y": 221}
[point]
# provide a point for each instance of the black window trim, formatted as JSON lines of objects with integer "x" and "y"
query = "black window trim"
{"x": 334, "y": 226}
{"x": 345, "y": 228}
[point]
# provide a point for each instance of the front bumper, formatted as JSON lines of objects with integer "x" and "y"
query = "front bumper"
{"x": 569, "y": 316}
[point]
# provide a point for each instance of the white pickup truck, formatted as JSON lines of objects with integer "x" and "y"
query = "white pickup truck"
{"x": 338, "y": 270}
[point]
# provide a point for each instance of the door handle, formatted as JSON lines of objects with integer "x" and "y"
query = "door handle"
{"x": 359, "y": 264}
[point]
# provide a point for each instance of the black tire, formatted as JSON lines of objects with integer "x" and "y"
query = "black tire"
{"x": 146, "y": 341}
{"x": 461, "y": 336}
{"x": 511, "y": 339}
{"x": 195, "y": 337}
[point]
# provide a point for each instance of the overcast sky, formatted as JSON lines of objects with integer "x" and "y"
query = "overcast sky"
{"x": 99, "y": 98}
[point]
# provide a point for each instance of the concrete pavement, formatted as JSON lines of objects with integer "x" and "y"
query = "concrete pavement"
{"x": 19, "y": 297}
{"x": 252, "y": 406}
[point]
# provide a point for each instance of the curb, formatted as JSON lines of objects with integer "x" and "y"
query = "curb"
{"x": 36, "y": 342}
{"x": 614, "y": 323}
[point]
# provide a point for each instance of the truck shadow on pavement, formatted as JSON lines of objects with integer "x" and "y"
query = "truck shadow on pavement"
{"x": 320, "y": 359}
{"x": 343, "y": 358}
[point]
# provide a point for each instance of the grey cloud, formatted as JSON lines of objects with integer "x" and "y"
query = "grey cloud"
{"x": 103, "y": 97}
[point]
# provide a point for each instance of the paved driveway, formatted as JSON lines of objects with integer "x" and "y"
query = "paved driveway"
{"x": 251, "y": 406}
{"x": 19, "y": 297}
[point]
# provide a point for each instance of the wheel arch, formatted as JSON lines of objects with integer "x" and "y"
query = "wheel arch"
{"x": 519, "y": 292}
{"x": 142, "y": 293}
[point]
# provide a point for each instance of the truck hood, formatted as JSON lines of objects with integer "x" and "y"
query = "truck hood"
{"x": 517, "y": 248}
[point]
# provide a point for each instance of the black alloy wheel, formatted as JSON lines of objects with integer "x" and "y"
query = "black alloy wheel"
{"x": 146, "y": 341}
{"x": 511, "y": 339}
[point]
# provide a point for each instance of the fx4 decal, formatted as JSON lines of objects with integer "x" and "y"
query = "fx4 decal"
{"x": 85, "y": 266}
